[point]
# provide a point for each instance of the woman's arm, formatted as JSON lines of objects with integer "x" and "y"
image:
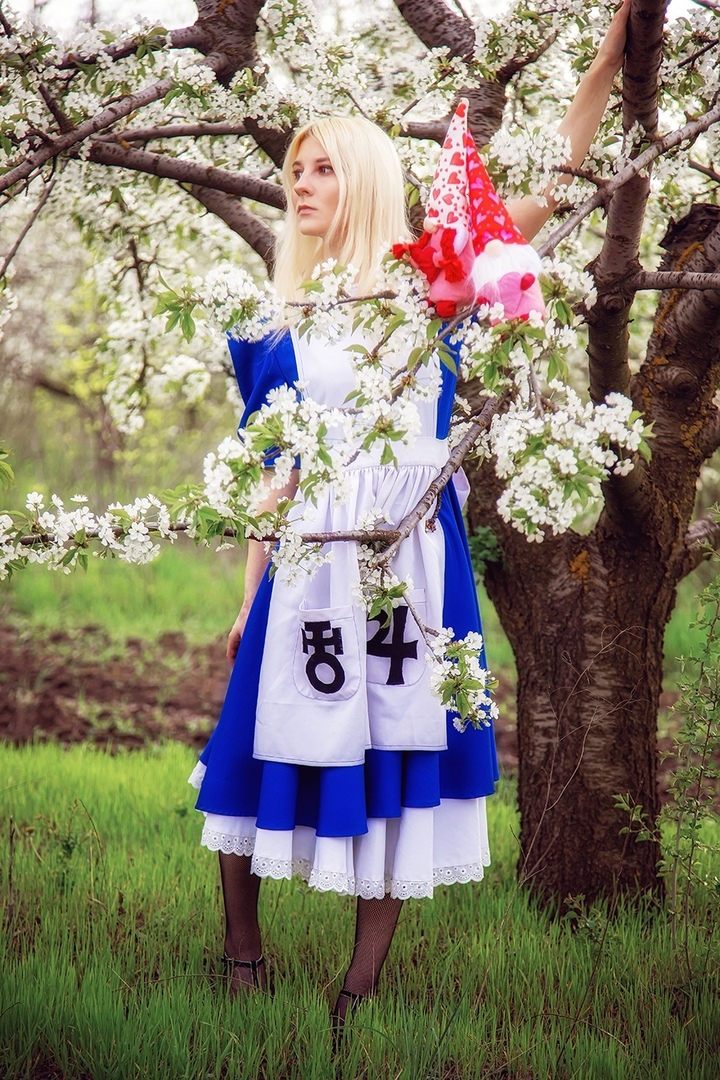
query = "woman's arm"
{"x": 581, "y": 121}
{"x": 258, "y": 558}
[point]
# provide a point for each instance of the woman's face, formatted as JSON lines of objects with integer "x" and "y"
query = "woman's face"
{"x": 315, "y": 192}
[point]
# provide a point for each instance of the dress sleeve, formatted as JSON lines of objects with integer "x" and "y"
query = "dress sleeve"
{"x": 262, "y": 366}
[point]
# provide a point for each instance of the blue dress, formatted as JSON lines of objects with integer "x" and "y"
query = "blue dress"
{"x": 333, "y": 766}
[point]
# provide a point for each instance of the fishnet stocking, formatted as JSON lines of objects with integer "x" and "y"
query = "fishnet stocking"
{"x": 243, "y": 940}
{"x": 375, "y": 924}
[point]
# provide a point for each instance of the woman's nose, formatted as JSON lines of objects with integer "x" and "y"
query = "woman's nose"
{"x": 302, "y": 184}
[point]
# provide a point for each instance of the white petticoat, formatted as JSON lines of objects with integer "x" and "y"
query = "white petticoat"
{"x": 405, "y": 857}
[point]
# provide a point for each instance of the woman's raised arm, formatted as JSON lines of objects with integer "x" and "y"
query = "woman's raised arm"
{"x": 580, "y": 122}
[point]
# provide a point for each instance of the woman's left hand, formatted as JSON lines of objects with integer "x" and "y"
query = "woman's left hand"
{"x": 612, "y": 48}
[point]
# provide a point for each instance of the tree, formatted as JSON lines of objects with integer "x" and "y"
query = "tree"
{"x": 217, "y": 101}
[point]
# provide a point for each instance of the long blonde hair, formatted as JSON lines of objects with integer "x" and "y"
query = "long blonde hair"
{"x": 371, "y": 207}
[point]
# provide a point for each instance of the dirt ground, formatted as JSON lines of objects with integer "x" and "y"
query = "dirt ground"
{"x": 79, "y": 686}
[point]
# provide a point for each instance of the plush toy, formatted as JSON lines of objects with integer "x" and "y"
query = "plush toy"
{"x": 470, "y": 249}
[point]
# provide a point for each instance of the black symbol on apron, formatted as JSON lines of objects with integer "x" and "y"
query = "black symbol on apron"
{"x": 397, "y": 649}
{"x": 321, "y": 637}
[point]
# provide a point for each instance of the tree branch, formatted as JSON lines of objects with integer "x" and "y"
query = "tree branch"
{"x": 174, "y": 131}
{"x": 668, "y": 279}
{"x": 676, "y": 385}
{"x": 608, "y": 338}
{"x": 102, "y": 120}
{"x": 518, "y": 63}
{"x": 187, "y": 38}
{"x": 438, "y": 27}
{"x": 230, "y": 210}
{"x": 704, "y": 169}
{"x": 27, "y": 226}
{"x": 187, "y": 172}
{"x": 701, "y": 539}
{"x": 688, "y": 133}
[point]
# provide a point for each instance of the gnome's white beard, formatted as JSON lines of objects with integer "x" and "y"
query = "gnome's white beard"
{"x": 499, "y": 259}
{"x": 498, "y": 275}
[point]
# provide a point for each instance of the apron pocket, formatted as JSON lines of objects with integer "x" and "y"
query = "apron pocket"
{"x": 326, "y": 662}
{"x": 395, "y": 646}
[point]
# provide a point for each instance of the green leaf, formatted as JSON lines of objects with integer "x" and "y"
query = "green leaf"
{"x": 188, "y": 325}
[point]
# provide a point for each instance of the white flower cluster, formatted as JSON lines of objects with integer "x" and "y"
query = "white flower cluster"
{"x": 512, "y": 149}
{"x": 554, "y": 463}
{"x": 183, "y": 374}
{"x": 459, "y": 681}
{"x": 576, "y": 281}
{"x": 220, "y": 476}
{"x": 58, "y": 537}
{"x": 232, "y": 298}
{"x": 377, "y": 582}
{"x": 296, "y": 556}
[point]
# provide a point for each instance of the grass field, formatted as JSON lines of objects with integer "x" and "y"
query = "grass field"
{"x": 112, "y": 930}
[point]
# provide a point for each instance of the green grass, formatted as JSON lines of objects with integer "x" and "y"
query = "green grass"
{"x": 112, "y": 927}
{"x": 187, "y": 589}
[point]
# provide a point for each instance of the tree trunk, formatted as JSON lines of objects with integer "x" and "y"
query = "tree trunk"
{"x": 586, "y": 615}
{"x": 586, "y": 622}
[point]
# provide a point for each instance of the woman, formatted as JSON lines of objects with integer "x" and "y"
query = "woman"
{"x": 330, "y": 761}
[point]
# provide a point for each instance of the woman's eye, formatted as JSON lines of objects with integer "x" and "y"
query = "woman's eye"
{"x": 325, "y": 169}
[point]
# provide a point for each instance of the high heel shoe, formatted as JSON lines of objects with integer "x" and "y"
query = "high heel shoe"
{"x": 347, "y": 1002}
{"x": 256, "y": 968}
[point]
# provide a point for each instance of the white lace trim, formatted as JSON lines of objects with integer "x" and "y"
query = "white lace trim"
{"x": 329, "y": 881}
{"x": 197, "y": 776}
{"x": 227, "y": 843}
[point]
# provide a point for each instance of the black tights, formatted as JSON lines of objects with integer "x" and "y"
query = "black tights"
{"x": 374, "y": 928}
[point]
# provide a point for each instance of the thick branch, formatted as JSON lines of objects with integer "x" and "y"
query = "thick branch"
{"x": 434, "y": 130}
{"x": 675, "y": 388}
{"x": 187, "y": 38}
{"x": 104, "y": 119}
{"x": 642, "y": 64}
{"x": 668, "y": 279}
{"x": 688, "y": 133}
{"x": 608, "y": 337}
{"x": 437, "y": 26}
{"x": 701, "y": 539}
{"x": 175, "y": 131}
{"x": 230, "y": 210}
{"x": 187, "y": 172}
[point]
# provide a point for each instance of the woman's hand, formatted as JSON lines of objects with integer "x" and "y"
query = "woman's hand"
{"x": 612, "y": 48}
{"x": 236, "y": 633}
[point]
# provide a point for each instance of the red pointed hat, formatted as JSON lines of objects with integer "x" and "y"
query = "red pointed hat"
{"x": 471, "y": 250}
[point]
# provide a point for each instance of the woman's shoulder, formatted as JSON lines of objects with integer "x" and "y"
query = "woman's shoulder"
{"x": 256, "y": 361}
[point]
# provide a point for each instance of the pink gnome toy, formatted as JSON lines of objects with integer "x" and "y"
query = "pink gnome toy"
{"x": 471, "y": 251}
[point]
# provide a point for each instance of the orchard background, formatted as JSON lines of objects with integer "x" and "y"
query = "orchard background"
{"x": 139, "y": 173}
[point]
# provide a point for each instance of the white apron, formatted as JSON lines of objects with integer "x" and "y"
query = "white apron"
{"x": 332, "y": 683}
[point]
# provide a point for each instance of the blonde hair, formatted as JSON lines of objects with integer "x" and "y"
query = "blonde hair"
{"x": 371, "y": 207}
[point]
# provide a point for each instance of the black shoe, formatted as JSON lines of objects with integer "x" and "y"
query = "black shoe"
{"x": 234, "y": 970}
{"x": 347, "y": 1002}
